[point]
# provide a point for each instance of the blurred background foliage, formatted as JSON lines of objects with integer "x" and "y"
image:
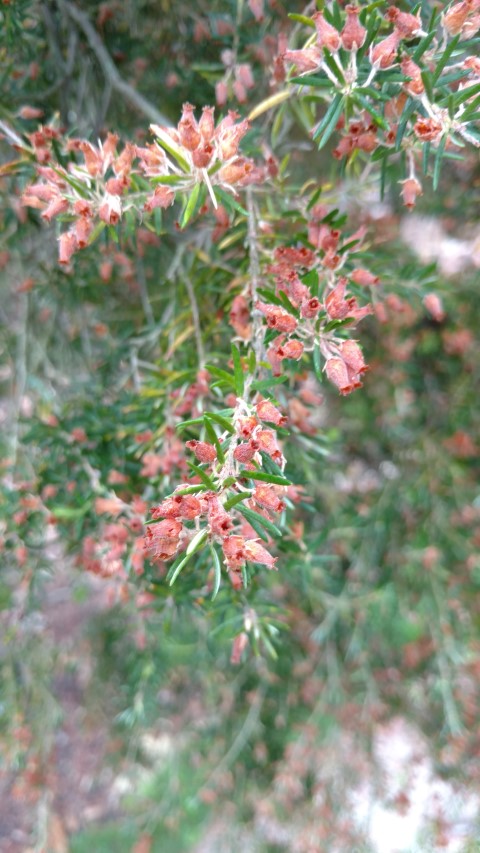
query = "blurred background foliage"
{"x": 374, "y": 614}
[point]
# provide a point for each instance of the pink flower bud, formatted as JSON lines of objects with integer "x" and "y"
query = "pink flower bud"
{"x": 162, "y": 197}
{"x": 188, "y": 129}
{"x": 239, "y": 91}
{"x": 327, "y": 36}
{"x": 364, "y": 278}
{"x": 266, "y": 411}
{"x": 245, "y": 452}
{"x": 408, "y": 26}
{"x": 428, "y": 129}
{"x": 384, "y": 54}
{"x": 310, "y": 308}
{"x": 234, "y": 172}
{"x": 256, "y": 8}
{"x": 55, "y": 208}
{"x": 201, "y": 158}
{"x": 411, "y": 69}
{"x": 411, "y": 188}
{"x": 338, "y": 374}
{"x": 204, "y": 451}
{"x": 353, "y": 34}
{"x": 277, "y": 318}
{"x": 67, "y": 247}
{"x": 267, "y": 496}
{"x": 110, "y": 210}
{"x": 245, "y": 426}
{"x": 83, "y": 229}
{"x": 243, "y": 74}
{"x": 291, "y": 349}
{"x": 240, "y": 642}
{"x": 308, "y": 59}
{"x": 258, "y": 554}
{"x": 206, "y": 124}
{"x": 221, "y": 93}
{"x": 454, "y": 19}
{"x": 434, "y": 306}
{"x": 234, "y": 551}
{"x": 353, "y": 356}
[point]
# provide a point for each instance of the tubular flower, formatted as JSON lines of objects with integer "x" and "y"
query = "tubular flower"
{"x": 353, "y": 34}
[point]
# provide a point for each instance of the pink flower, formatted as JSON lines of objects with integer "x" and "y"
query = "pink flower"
{"x": 327, "y": 36}
{"x": 411, "y": 188}
{"x": 110, "y": 210}
{"x": 258, "y": 554}
{"x": 67, "y": 247}
{"x": 384, "y": 54}
{"x": 266, "y": 411}
{"x": 204, "y": 451}
{"x": 353, "y": 356}
{"x": 162, "y": 197}
{"x": 277, "y": 318}
{"x": 364, "y": 278}
{"x": 353, "y": 34}
{"x": 434, "y": 306}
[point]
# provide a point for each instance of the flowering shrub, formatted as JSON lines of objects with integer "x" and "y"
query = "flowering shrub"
{"x": 388, "y": 87}
{"x": 242, "y": 390}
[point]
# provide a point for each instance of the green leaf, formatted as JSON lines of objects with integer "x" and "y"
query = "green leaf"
{"x": 264, "y": 477}
{"x": 212, "y": 435}
{"x": 258, "y": 522}
{"x": 329, "y": 121}
{"x": 190, "y": 206}
{"x": 221, "y": 374}
{"x": 196, "y": 543}
{"x": 266, "y": 384}
{"x": 238, "y": 371}
{"x": 438, "y": 160}
{"x": 301, "y": 19}
{"x": 317, "y": 362}
{"x": 280, "y": 299}
{"x": 423, "y": 46}
{"x": 312, "y": 80}
{"x": 221, "y": 421}
{"x": 442, "y": 62}
{"x": 208, "y": 482}
{"x": 377, "y": 117}
{"x": 181, "y": 561}
{"x": 229, "y": 201}
{"x": 329, "y": 60}
{"x": 236, "y": 499}
{"x": 217, "y": 568}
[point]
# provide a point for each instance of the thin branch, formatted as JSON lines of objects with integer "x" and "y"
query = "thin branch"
{"x": 254, "y": 271}
{"x": 108, "y": 66}
{"x": 196, "y": 321}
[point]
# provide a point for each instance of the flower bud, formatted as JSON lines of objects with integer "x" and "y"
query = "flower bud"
{"x": 327, "y": 36}
{"x": 67, "y": 247}
{"x": 204, "y": 451}
{"x": 188, "y": 129}
{"x": 411, "y": 188}
{"x": 434, "y": 306}
{"x": 353, "y": 34}
{"x": 384, "y": 54}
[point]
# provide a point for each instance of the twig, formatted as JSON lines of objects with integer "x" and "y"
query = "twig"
{"x": 196, "y": 321}
{"x": 254, "y": 270}
{"x": 108, "y": 66}
{"x": 242, "y": 737}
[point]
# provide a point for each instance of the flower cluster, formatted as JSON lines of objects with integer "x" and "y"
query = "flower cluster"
{"x": 310, "y": 307}
{"x": 415, "y": 111}
{"x": 96, "y": 191}
{"x": 195, "y": 514}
